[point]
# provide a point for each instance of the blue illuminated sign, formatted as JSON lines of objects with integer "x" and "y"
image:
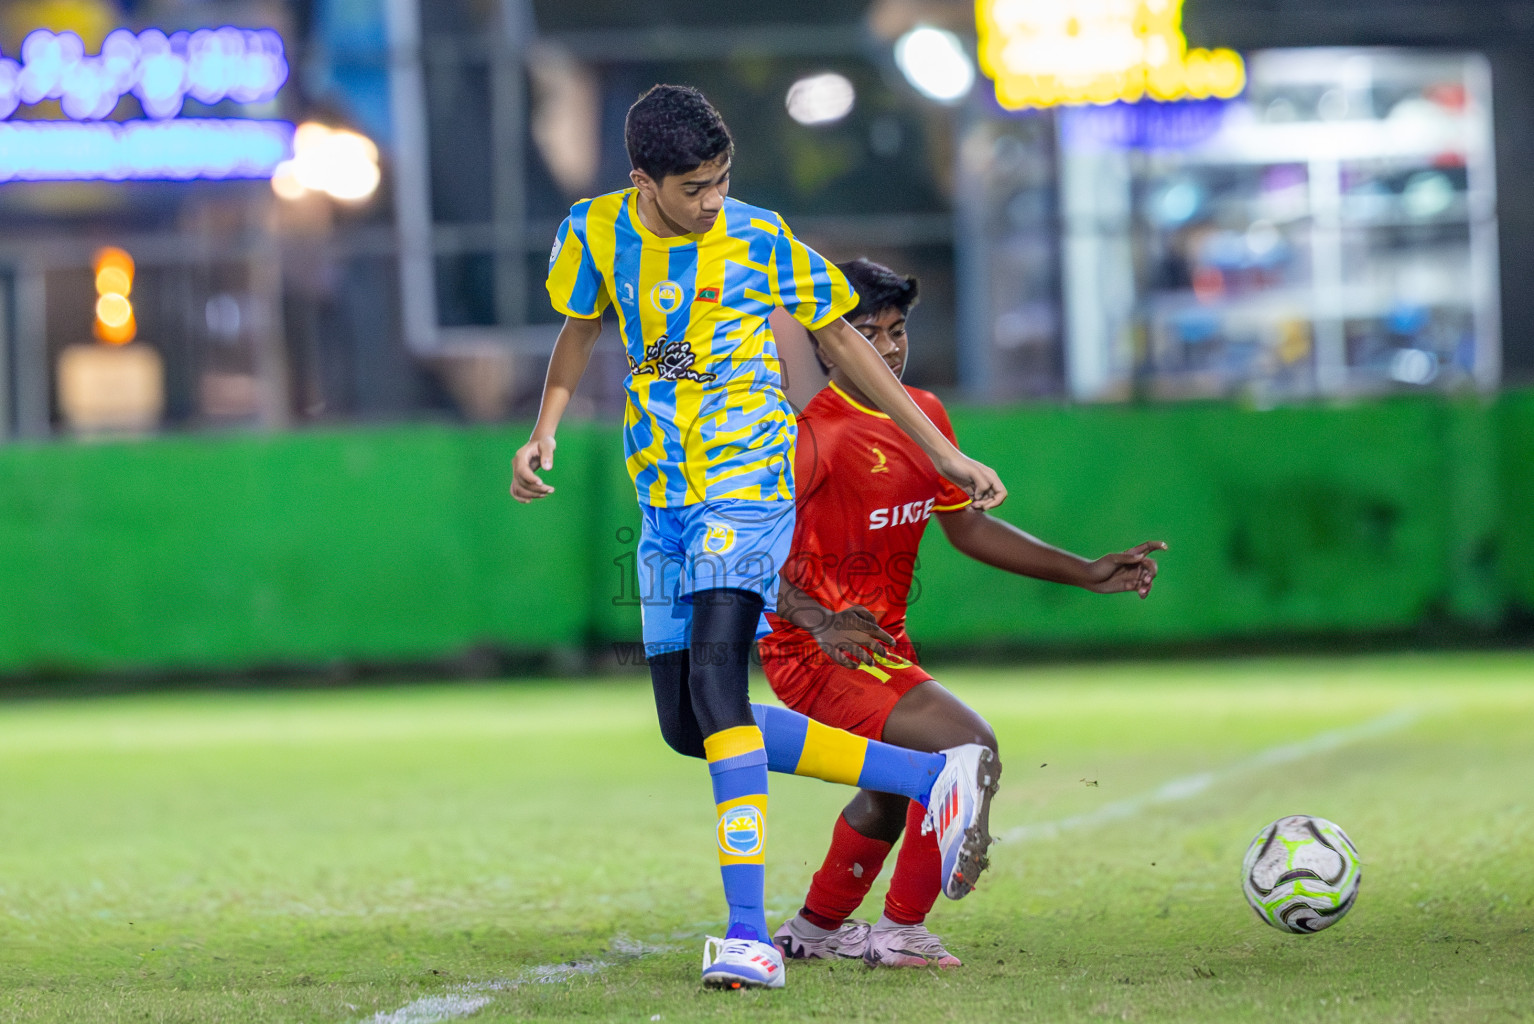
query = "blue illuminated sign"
{"x": 1143, "y": 125}
{"x": 209, "y": 65}
{"x": 177, "y": 150}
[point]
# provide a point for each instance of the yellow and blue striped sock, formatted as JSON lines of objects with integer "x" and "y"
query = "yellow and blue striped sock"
{"x": 737, "y": 763}
{"x": 802, "y": 746}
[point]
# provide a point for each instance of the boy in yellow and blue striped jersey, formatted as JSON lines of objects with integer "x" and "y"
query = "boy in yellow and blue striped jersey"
{"x": 709, "y": 441}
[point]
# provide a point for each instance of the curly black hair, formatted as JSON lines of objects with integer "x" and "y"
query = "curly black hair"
{"x": 879, "y": 288}
{"x": 671, "y": 129}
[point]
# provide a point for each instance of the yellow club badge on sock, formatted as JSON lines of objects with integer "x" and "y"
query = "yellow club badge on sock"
{"x": 742, "y": 830}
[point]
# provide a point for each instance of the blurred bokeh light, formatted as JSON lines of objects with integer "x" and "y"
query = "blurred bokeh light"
{"x": 342, "y": 164}
{"x": 820, "y": 99}
{"x": 934, "y": 62}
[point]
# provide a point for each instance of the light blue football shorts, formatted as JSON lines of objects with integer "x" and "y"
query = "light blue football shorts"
{"x": 727, "y": 544}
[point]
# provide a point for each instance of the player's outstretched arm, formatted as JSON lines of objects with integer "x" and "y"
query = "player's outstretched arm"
{"x": 1002, "y": 545}
{"x": 850, "y": 637}
{"x": 861, "y": 361}
{"x": 572, "y": 351}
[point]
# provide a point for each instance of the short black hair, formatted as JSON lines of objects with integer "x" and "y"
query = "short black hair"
{"x": 879, "y": 288}
{"x": 671, "y": 129}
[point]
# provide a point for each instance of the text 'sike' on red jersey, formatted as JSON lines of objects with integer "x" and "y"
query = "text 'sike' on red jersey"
{"x": 864, "y": 492}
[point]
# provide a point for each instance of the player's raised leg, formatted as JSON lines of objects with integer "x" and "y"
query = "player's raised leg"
{"x": 957, "y": 799}
{"x": 798, "y": 745}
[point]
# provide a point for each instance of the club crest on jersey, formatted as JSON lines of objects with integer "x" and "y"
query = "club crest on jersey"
{"x": 666, "y": 297}
{"x": 718, "y": 539}
{"x": 882, "y": 466}
{"x": 708, "y": 294}
{"x": 669, "y": 359}
{"x": 554, "y": 252}
{"x": 742, "y": 833}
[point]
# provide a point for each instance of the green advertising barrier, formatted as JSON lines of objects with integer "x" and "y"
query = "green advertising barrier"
{"x": 1515, "y": 436}
{"x": 1287, "y": 521}
{"x": 401, "y": 544}
{"x": 227, "y": 552}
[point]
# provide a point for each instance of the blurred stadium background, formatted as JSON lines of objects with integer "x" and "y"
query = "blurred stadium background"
{"x": 272, "y": 317}
{"x": 1251, "y": 276}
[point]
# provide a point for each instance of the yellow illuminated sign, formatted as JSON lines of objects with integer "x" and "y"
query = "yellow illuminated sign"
{"x": 1045, "y": 53}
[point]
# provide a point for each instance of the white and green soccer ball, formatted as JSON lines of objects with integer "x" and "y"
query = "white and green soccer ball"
{"x": 1301, "y": 874}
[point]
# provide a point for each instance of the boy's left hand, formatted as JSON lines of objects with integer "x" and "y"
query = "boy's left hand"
{"x": 1125, "y": 570}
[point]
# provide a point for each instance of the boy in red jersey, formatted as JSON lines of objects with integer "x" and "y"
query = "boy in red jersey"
{"x": 839, "y": 652}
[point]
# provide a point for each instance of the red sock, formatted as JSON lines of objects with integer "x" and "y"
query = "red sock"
{"x": 851, "y": 865}
{"x": 918, "y": 868}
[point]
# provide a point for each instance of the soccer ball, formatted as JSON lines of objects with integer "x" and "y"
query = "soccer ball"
{"x": 1301, "y": 874}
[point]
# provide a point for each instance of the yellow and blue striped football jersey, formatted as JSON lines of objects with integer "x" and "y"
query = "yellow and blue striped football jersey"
{"x": 706, "y": 417}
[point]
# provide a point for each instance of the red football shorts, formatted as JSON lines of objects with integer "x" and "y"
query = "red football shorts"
{"x": 858, "y": 700}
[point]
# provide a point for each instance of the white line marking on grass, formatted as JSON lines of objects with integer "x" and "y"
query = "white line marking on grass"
{"x": 1192, "y": 785}
{"x": 468, "y": 999}
{"x": 430, "y": 1009}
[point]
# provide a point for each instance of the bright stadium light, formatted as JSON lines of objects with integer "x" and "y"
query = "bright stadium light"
{"x": 337, "y": 162}
{"x": 934, "y": 62}
{"x": 820, "y": 99}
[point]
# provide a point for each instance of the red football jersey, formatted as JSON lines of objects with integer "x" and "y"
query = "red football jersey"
{"x": 864, "y": 492}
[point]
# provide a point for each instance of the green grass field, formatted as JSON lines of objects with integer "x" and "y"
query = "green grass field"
{"x": 531, "y": 851}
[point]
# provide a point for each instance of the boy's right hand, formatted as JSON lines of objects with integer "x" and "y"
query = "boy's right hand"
{"x": 977, "y": 479}
{"x": 526, "y": 485}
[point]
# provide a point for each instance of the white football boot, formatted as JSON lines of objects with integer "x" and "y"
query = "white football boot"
{"x": 846, "y": 943}
{"x": 741, "y": 963}
{"x": 907, "y": 945}
{"x": 959, "y": 810}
